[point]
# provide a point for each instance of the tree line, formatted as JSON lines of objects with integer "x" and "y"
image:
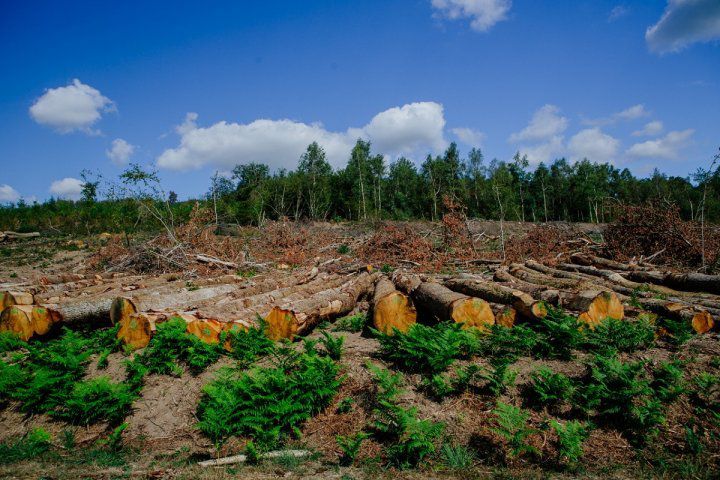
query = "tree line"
{"x": 368, "y": 188}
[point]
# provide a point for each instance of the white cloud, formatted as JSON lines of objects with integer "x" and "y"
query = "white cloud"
{"x": 469, "y": 136}
{"x": 683, "y": 23}
{"x": 667, "y": 147}
{"x": 483, "y": 14}
{"x": 545, "y": 124}
{"x": 594, "y": 145}
{"x": 630, "y": 113}
{"x": 650, "y": 129}
{"x": 8, "y": 194}
{"x": 74, "y": 107}
{"x": 544, "y": 152}
{"x": 279, "y": 143}
{"x": 67, "y": 188}
{"x": 617, "y": 12}
{"x": 120, "y": 151}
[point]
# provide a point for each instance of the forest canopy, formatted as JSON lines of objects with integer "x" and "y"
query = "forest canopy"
{"x": 367, "y": 188}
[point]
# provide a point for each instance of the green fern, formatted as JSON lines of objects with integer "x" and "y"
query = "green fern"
{"x": 620, "y": 335}
{"x": 571, "y": 436}
{"x": 32, "y": 445}
{"x": 511, "y": 424}
{"x": 333, "y": 345}
{"x": 350, "y": 447}
{"x": 548, "y": 388}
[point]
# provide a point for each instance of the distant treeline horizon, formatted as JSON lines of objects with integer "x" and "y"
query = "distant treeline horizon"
{"x": 369, "y": 189}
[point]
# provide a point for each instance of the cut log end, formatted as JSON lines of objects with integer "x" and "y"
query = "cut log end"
{"x": 27, "y": 321}
{"x": 702, "y": 322}
{"x": 136, "y": 330}
{"x": 506, "y": 317}
{"x": 281, "y": 324}
{"x": 206, "y": 329}
{"x": 393, "y": 311}
{"x": 472, "y": 312}
{"x": 8, "y": 299}
{"x": 600, "y": 307}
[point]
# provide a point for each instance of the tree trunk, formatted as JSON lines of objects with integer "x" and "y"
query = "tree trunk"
{"x": 300, "y": 317}
{"x": 596, "y": 306}
{"x": 525, "y": 305}
{"x": 696, "y": 282}
{"x": 137, "y": 329}
{"x": 438, "y": 302}
{"x": 700, "y": 320}
{"x": 391, "y": 309}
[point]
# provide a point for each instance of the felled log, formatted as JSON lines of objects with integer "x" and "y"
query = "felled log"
{"x": 243, "y": 458}
{"x": 300, "y": 317}
{"x": 391, "y": 309}
{"x": 573, "y": 273}
{"x": 137, "y": 329}
{"x": 9, "y": 298}
{"x": 596, "y": 306}
{"x": 27, "y": 321}
{"x": 505, "y": 316}
{"x": 439, "y": 302}
{"x": 8, "y": 235}
{"x": 697, "y": 282}
{"x": 593, "y": 260}
{"x": 525, "y": 305}
{"x": 700, "y": 320}
{"x": 158, "y": 300}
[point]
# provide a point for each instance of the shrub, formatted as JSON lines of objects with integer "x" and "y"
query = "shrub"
{"x": 442, "y": 385}
{"x": 620, "y": 393}
{"x": 248, "y": 345}
{"x": 97, "y": 400}
{"x": 620, "y": 335}
{"x": 11, "y": 377}
{"x": 410, "y": 438}
{"x": 333, "y": 345}
{"x": 350, "y": 447}
{"x": 457, "y": 457}
{"x": 9, "y": 341}
{"x": 511, "y": 424}
{"x": 571, "y": 436}
{"x": 268, "y": 403}
{"x": 351, "y": 323}
{"x": 558, "y": 335}
{"x": 508, "y": 342}
{"x": 548, "y": 388}
{"x": 427, "y": 349}
{"x": 35, "y": 443}
{"x": 667, "y": 381}
{"x": 171, "y": 345}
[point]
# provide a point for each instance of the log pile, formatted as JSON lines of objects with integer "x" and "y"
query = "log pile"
{"x": 592, "y": 288}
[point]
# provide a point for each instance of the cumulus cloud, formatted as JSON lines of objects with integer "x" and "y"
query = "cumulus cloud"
{"x": 594, "y": 145}
{"x": 120, "y": 151}
{"x": 650, "y": 129}
{"x": 630, "y": 113}
{"x": 617, "y": 12}
{"x": 469, "y": 136}
{"x": 545, "y": 124}
{"x": 74, "y": 107}
{"x": 67, "y": 188}
{"x": 544, "y": 152}
{"x": 279, "y": 143}
{"x": 8, "y": 194}
{"x": 683, "y": 23}
{"x": 483, "y": 14}
{"x": 667, "y": 147}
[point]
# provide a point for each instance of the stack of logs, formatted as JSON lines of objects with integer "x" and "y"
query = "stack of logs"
{"x": 593, "y": 288}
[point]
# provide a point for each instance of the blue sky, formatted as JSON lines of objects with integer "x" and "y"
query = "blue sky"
{"x": 195, "y": 87}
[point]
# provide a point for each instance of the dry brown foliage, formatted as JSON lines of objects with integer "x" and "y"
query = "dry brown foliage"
{"x": 643, "y": 231}
{"x": 542, "y": 243}
{"x": 391, "y": 244}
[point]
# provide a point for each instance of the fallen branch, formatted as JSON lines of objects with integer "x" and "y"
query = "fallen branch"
{"x": 218, "y": 462}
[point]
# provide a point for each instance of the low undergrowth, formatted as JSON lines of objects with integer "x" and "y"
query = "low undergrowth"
{"x": 268, "y": 404}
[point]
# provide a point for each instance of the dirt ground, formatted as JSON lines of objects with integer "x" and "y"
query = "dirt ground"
{"x": 162, "y": 439}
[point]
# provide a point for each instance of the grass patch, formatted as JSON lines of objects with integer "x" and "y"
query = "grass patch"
{"x": 32, "y": 445}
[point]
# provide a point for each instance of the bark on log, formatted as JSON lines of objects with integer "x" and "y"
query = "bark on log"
{"x": 17, "y": 235}
{"x": 156, "y": 300}
{"x": 522, "y": 302}
{"x": 391, "y": 309}
{"x": 697, "y": 282}
{"x": 592, "y": 260}
{"x": 438, "y": 302}
{"x": 300, "y": 317}
{"x": 27, "y": 321}
{"x": 9, "y": 298}
{"x": 700, "y": 320}
{"x": 580, "y": 277}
